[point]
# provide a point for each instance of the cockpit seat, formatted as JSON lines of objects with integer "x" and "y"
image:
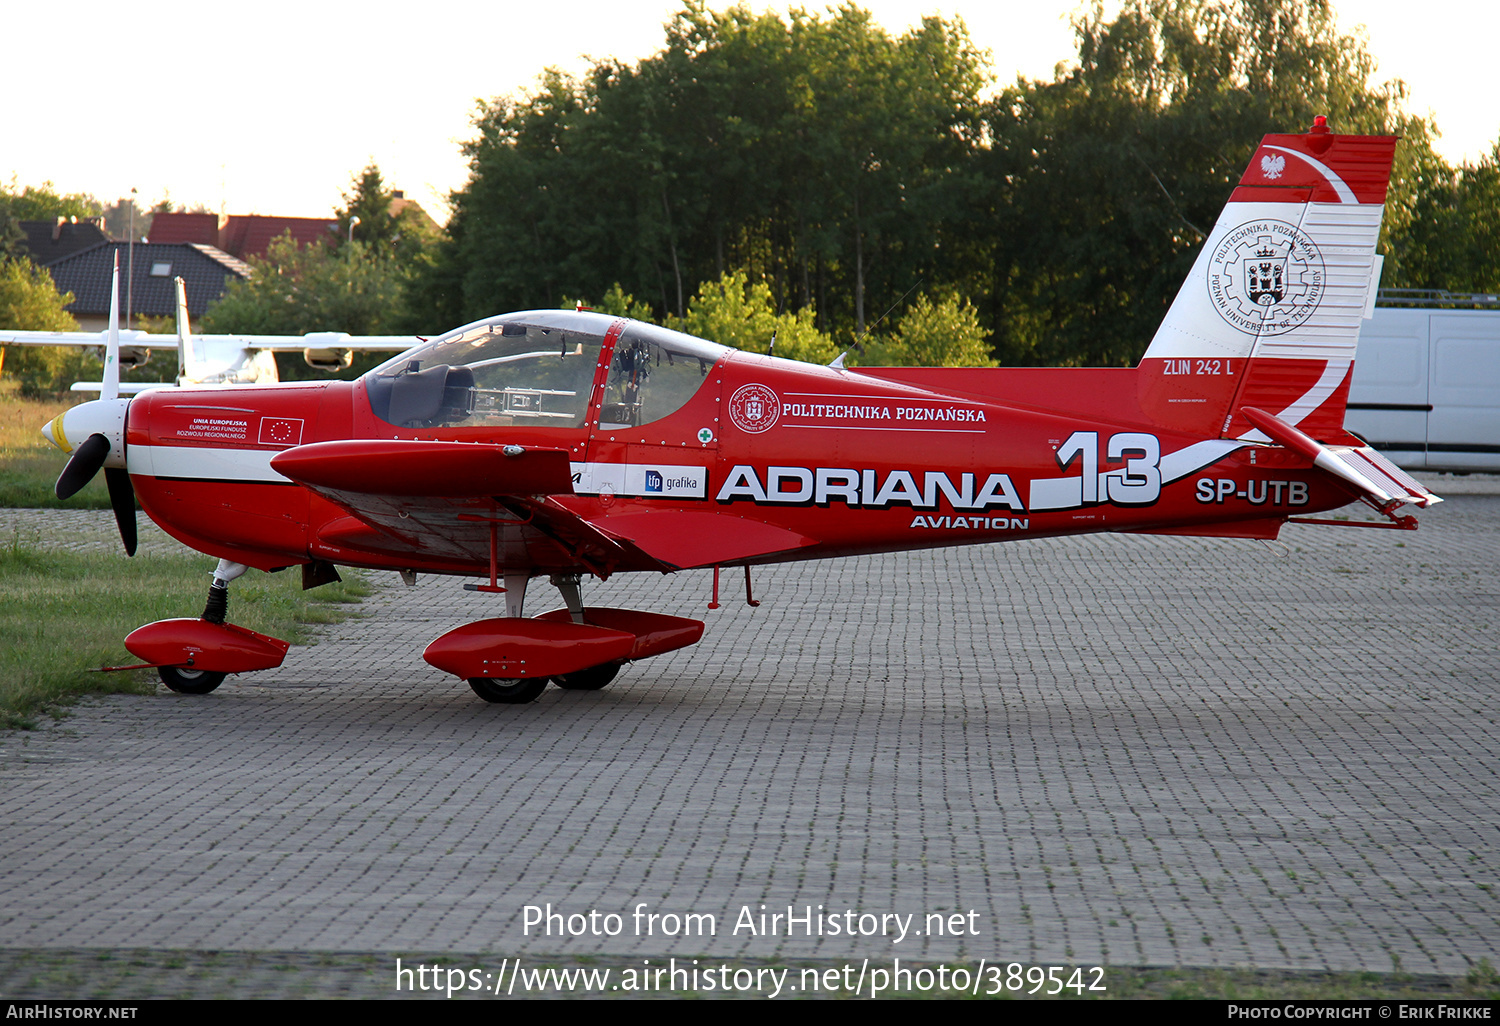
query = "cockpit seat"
{"x": 458, "y": 394}
{"x": 416, "y": 398}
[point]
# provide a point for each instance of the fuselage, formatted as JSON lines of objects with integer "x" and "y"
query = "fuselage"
{"x": 842, "y": 462}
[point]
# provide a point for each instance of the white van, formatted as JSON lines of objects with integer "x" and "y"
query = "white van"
{"x": 1426, "y": 388}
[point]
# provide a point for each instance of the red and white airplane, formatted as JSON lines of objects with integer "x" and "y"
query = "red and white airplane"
{"x": 562, "y": 444}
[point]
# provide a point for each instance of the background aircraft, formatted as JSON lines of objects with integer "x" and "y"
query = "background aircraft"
{"x": 561, "y": 444}
{"x": 214, "y": 359}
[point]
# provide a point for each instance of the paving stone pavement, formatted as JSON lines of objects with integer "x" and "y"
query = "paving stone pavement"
{"x": 1111, "y": 750}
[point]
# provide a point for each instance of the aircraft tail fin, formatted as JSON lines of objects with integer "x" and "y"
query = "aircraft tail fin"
{"x": 1270, "y": 315}
{"x": 110, "y": 387}
{"x": 185, "y": 357}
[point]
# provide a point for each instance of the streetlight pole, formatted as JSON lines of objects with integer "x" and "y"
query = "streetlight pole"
{"x": 352, "y": 222}
{"x": 130, "y": 263}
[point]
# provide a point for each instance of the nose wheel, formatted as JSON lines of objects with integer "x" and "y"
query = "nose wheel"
{"x": 193, "y": 655}
{"x": 508, "y": 691}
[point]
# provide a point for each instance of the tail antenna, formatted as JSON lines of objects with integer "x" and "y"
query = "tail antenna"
{"x": 858, "y": 344}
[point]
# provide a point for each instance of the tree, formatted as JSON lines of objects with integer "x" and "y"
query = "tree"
{"x": 616, "y": 302}
{"x": 295, "y": 290}
{"x": 35, "y": 203}
{"x": 839, "y": 166}
{"x": 125, "y": 217}
{"x": 733, "y": 312}
{"x": 29, "y": 301}
{"x": 403, "y": 234}
{"x": 942, "y": 334}
{"x": 1105, "y": 180}
{"x": 819, "y": 156}
{"x": 1452, "y": 238}
{"x": 742, "y": 315}
{"x": 371, "y": 203}
{"x": 44, "y": 203}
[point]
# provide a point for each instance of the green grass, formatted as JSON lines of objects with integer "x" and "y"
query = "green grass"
{"x": 63, "y": 614}
{"x": 28, "y": 477}
{"x": 28, "y": 465}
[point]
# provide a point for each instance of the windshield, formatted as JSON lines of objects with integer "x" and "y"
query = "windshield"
{"x": 537, "y": 369}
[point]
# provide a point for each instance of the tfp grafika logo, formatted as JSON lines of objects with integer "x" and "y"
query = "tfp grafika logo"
{"x": 1266, "y": 277}
{"x": 754, "y": 408}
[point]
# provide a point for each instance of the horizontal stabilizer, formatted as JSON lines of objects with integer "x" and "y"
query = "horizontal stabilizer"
{"x": 1364, "y": 468}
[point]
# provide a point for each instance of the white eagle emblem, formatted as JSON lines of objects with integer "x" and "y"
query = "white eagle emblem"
{"x": 1272, "y": 166}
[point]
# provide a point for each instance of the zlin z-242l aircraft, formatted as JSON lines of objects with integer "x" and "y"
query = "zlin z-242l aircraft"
{"x": 561, "y": 444}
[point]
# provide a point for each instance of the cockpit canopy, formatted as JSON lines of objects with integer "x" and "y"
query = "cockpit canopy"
{"x": 538, "y": 369}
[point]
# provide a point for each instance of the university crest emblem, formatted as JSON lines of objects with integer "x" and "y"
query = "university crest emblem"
{"x": 754, "y": 408}
{"x": 1266, "y": 277}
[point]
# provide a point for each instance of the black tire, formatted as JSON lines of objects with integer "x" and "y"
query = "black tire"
{"x": 508, "y": 691}
{"x": 189, "y": 682}
{"x": 591, "y": 679}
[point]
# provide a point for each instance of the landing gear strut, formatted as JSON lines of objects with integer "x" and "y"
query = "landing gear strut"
{"x": 509, "y": 659}
{"x": 594, "y": 677}
{"x": 185, "y": 680}
{"x": 193, "y": 654}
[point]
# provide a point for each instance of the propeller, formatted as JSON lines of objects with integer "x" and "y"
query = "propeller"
{"x": 81, "y": 468}
{"x": 122, "y": 501}
{"x": 84, "y": 464}
{"x": 108, "y": 412}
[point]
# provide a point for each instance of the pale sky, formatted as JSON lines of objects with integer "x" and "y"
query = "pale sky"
{"x": 271, "y": 107}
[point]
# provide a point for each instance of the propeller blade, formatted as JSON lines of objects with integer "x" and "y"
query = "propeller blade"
{"x": 122, "y": 500}
{"x": 86, "y": 461}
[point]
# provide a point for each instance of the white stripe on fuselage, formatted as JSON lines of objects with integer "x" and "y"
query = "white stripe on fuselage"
{"x": 203, "y": 462}
{"x": 214, "y": 464}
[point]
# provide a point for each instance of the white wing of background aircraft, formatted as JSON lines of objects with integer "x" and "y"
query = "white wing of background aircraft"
{"x": 216, "y": 359}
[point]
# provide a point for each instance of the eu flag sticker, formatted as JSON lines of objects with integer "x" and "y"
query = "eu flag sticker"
{"x": 280, "y": 431}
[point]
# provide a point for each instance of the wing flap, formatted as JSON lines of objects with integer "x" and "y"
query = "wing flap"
{"x": 686, "y": 539}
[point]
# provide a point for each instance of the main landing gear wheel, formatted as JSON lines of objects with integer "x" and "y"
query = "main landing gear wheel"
{"x": 508, "y": 691}
{"x": 591, "y": 679}
{"x": 189, "y": 682}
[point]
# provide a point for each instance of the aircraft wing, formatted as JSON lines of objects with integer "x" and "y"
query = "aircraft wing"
{"x": 277, "y": 343}
{"x": 465, "y": 499}
{"x": 130, "y": 337}
{"x": 453, "y": 499}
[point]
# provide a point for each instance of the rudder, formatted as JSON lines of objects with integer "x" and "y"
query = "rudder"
{"x": 1269, "y": 317}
